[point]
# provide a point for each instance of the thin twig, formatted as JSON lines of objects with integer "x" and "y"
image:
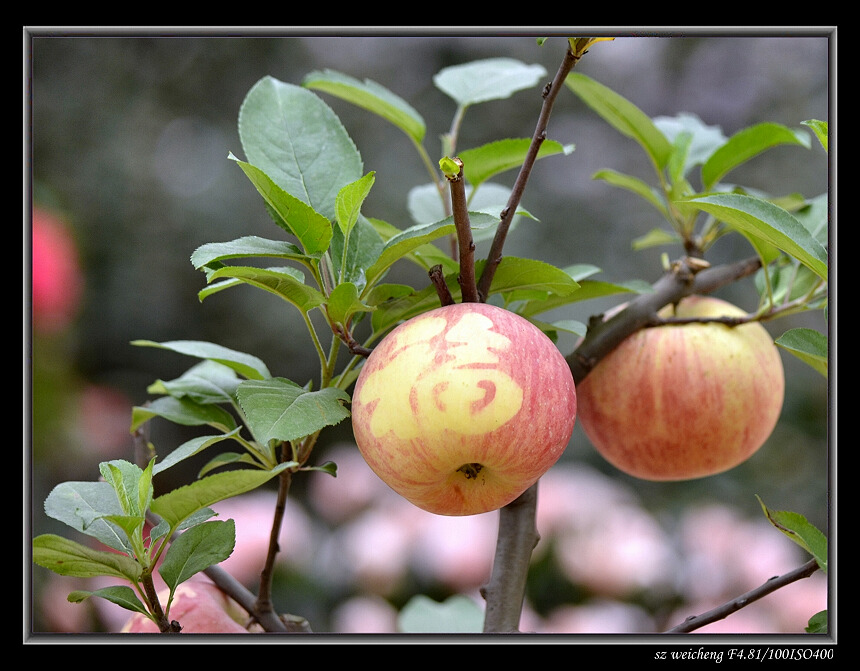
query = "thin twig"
{"x": 697, "y": 621}
{"x": 494, "y": 258}
{"x": 437, "y": 277}
{"x": 466, "y": 245}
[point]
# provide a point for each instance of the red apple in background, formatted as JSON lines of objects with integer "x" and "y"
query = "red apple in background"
{"x": 463, "y": 408}
{"x": 679, "y": 402}
{"x": 57, "y": 279}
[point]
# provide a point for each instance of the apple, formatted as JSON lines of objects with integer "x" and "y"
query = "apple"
{"x": 57, "y": 278}
{"x": 462, "y": 408}
{"x": 679, "y": 402}
{"x": 200, "y": 607}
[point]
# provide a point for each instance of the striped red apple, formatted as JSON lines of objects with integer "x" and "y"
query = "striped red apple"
{"x": 463, "y": 408}
{"x": 679, "y": 402}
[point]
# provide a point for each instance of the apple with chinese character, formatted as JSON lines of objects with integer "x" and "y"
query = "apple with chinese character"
{"x": 685, "y": 401}
{"x": 463, "y": 408}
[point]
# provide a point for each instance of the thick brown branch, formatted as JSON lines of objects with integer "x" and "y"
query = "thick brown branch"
{"x": 494, "y": 258}
{"x": 517, "y": 538}
{"x": 721, "y": 612}
{"x": 603, "y": 337}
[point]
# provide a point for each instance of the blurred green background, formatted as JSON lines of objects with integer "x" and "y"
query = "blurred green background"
{"x": 129, "y": 138}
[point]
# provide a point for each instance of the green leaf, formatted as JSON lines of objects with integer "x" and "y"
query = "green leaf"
{"x": 68, "y": 558}
{"x": 456, "y": 615}
{"x": 292, "y": 136}
{"x": 798, "y": 529}
{"x": 196, "y": 550}
{"x": 84, "y": 507}
{"x": 178, "y": 505}
{"x": 285, "y": 283}
{"x": 349, "y": 201}
{"x": 205, "y": 382}
{"x": 746, "y": 144}
{"x": 183, "y": 411}
{"x": 312, "y": 229}
{"x": 818, "y": 623}
{"x": 278, "y": 409}
{"x": 768, "y": 222}
{"x": 371, "y": 96}
{"x": 635, "y": 185}
{"x": 244, "y": 364}
{"x": 484, "y": 162}
{"x": 622, "y": 115}
{"x": 355, "y": 255}
{"x": 191, "y": 447}
{"x": 656, "y": 237}
{"x": 512, "y": 275}
{"x": 820, "y": 130}
{"x": 488, "y": 79}
{"x": 344, "y": 302}
{"x": 120, "y": 595}
{"x": 248, "y": 246}
{"x": 588, "y": 290}
{"x": 703, "y": 140}
{"x": 416, "y": 237}
{"x": 807, "y": 345}
{"x": 133, "y": 485}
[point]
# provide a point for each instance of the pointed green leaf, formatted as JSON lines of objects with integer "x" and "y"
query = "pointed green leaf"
{"x": 244, "y": 364}
{"x": 183, "y": 411}
{"x": 122, "y": 596}
{"x": 807, "y": 345}
{"x": 84, "y": 507}
{"x": 489, "y": 160}
{"x": 417, "y": 236}
{"x": 371, "y": 96}
{"x": 279, "y": 410}
{"x": 488, "y": 79}
{"x": 292, "y": 136}
{"x": 248, "y": 246}
{"x": 286, "y": 283}
{"x": 798, "y": 529}
{"x": 349, "y": 201}
{"x": 312, "y": 229}
{"x": 205, "y": 382}
{"x": 746, "y": 144}
{"x": 703, "y": 140}
{"x": 512, "y": 275}
{"x": 355, "y": 255}
{"x": 196, "y": 550}
{"x": 622, "y": 115}
{"x": 633, "y": 184}
{"x": 189, "y": 448}
{"x": 820, "y": 130}
{"x": 68, "y": 558}
{"x": 176, "y": 506}
{"x": 344, "y": 302}
{"x": 768, "y": 222}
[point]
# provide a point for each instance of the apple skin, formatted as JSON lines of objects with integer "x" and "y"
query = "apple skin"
{"x": 464, "y": 384}
{"x": 681, "y": 402}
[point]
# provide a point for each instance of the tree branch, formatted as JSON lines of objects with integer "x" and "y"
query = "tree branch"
{"x": 697, "y": 621}
{"x": 681, "y": 281}
{"x": 494, "y": 258}
{"x": 517, "y": 538}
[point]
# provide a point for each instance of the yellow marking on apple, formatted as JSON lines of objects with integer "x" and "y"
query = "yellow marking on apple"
{"x": 439, "y": 393}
